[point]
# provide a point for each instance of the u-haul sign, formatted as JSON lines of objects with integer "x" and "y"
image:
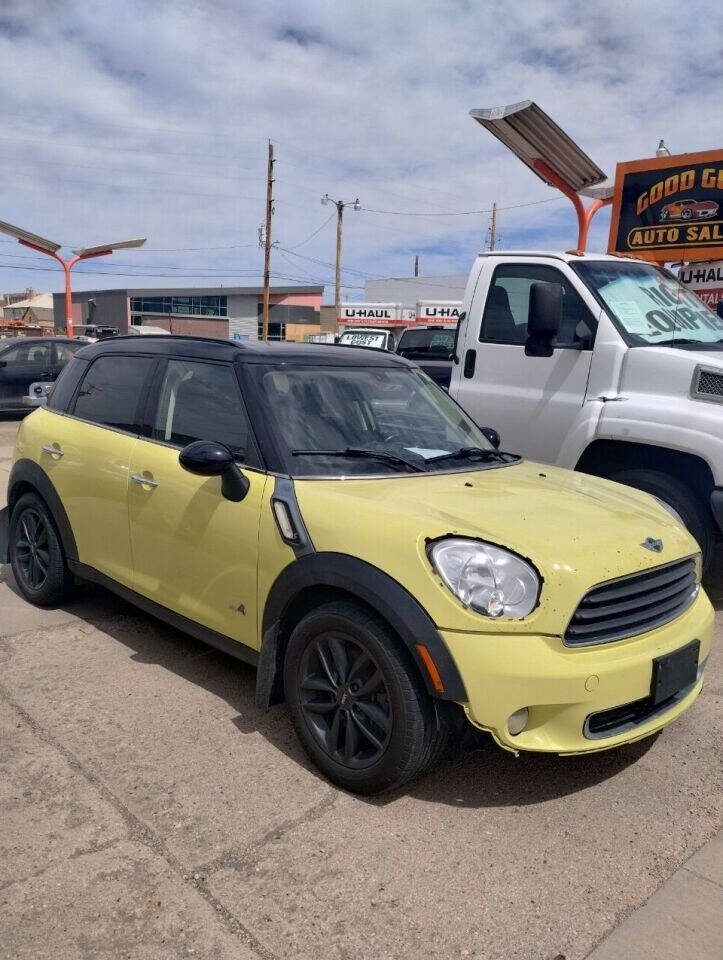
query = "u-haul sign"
{"x": 705, "y": 279}
{"x": 371, "y": 314}
{"x": 438, "y": 311}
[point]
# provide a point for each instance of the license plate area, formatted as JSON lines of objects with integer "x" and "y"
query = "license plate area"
{"x": 674, "y": 671}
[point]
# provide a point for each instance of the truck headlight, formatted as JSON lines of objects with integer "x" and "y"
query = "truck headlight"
{"x": 490, "y": 580}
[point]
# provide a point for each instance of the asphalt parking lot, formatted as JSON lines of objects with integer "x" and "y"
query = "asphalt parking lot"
{"x": 150, "y": 810}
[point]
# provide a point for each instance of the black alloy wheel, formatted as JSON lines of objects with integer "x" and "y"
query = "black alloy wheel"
{"x": 36, "y": 553}
{"x": 32, "y": 550}
{"x": 358, "y": 702}
{"x": 345, "y": 700}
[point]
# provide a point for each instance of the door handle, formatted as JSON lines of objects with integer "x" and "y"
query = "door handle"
{"x": 53, "y": 449}
{"x": 143, "y": 480}
{"x": 469, "y": 362}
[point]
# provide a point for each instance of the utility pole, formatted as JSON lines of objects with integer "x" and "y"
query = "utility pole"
{"x": 492, "y": 230}
{"x": 267, "y": 242}
{"x": 339, "y": 204}
{"x": 416, "y": 265}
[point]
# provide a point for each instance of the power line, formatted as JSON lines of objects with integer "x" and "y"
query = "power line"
{"x": 459, "y": 213}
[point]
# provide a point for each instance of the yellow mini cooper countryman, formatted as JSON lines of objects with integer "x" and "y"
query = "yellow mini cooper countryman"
{"x": 333, "y": 517}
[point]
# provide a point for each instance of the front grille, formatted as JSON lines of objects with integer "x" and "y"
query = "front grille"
{"x": 710, "y": 384}
{"x": 631, "y": 605}
{"x": 610, "y": 723}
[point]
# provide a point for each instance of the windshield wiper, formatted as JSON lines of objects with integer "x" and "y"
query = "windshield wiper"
{"x": 673, "y": 342}
{"x": 361, "y": 453}
{"x": 475, "y": 453}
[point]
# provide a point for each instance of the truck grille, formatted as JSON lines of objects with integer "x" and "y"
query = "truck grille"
{"x": 709, "y": 384}
{"x": 631, "y": 605}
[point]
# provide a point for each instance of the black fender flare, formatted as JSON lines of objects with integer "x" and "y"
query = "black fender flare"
{"x": 390, "y": 599}
{"x": 27, "y": 472}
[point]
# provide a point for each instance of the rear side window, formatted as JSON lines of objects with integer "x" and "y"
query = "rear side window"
{"x": 112, "y": 392}
{"x": 64, "y": 387}
{"x": 202, "y": 401}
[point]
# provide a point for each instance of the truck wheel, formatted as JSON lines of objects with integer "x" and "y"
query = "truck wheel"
{"x": 36, "y": 553}
{"x": 681, "y": 498}
{"x": 357, "y": 702}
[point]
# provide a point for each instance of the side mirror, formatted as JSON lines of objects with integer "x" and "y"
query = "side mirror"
{"x": 719, "y": 309}
{"x": 543, "y": 318}
{"x": 206, "y": 458}
{"x": 492, "y": 435}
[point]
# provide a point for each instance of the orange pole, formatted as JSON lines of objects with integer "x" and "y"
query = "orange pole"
{"x": 584, "y": 217}
{"x": 67, "y": 266}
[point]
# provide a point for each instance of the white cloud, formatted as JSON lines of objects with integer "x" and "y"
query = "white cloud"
{"x": 127, "y": 118}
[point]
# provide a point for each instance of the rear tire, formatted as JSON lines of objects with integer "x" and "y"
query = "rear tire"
{"x": 36, "y": 553}
{"x": 681, "y": 498}
{"x": 357, "y": 701}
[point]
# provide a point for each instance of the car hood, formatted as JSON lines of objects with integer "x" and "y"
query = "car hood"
{"x": 577, "y": 530}
{"x": 665, "y": 370}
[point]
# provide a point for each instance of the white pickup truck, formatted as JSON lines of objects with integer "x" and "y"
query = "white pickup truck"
{"x": 602, "y": 364}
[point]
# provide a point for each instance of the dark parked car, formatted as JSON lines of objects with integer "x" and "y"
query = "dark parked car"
{"x": 431, "y": 348}
{"x": 26, "y": 360}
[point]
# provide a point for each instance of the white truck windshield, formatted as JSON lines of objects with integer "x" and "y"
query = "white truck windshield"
{"x": 650, "y": 305}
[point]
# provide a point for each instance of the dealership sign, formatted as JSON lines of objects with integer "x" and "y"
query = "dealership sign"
{"x": 705, "y": 279}
{"x": 669, "y": 208}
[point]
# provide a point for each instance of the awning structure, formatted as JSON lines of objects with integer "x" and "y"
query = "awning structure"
{"x": 548, "y": 151}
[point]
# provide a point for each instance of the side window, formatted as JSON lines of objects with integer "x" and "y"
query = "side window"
{"x": 64, "y": 387}
{"x": 508, "y": 304}
{"x": 112, "y": 391}
{"x": 28, "y": 352}
{"x": 202, "y": 401}
{"x": 66, "y": 351}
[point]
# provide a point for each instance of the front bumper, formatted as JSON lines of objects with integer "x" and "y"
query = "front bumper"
{"x": 562, "y": 686}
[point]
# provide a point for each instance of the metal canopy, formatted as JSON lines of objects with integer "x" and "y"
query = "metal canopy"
{"x": 107, "y": 247}
{"x": 534, "y": 136}
{"x": 601, "y": 191}
{"x": 24, "y": 236}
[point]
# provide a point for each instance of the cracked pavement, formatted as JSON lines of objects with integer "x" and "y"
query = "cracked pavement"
{"x": 150, "y": 810}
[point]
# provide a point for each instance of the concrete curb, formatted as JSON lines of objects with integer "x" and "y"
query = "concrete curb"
{"x": 684, "y": 918}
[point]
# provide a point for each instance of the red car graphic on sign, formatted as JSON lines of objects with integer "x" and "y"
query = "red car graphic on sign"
{"x": 689, "y": 210}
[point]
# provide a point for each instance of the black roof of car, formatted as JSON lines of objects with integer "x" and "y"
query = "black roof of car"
{"x": 208, "y": 348}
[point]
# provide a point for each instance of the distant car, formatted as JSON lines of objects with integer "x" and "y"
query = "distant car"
{"x": 30, "y": 360}
{"x": 368, "y": 337}
{"x": 689, "y": 209}
{"x": 432, "y": 348}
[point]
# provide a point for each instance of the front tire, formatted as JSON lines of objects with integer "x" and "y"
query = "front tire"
{"x": 681, "y": 498}
{"x": 36, "y": 553}
{"x": 357, "y": 702}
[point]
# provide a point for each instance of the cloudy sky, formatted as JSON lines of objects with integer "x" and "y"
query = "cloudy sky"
{"x": 123, "y": 118}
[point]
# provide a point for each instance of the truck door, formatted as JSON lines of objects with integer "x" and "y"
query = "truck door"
{"x": 531, "y": 401}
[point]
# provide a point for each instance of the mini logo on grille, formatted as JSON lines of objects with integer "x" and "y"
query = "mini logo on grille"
{"x": 650, "y": 543}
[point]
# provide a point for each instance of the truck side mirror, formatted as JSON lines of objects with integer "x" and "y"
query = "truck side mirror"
{"x": 492, "y": 435}
{"x": 543, "y": 318}
{"x": 719, "y": 309}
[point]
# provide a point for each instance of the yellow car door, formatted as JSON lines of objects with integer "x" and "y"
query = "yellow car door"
{"x": 195, "y": 552}
{"x": 86, "y": 455}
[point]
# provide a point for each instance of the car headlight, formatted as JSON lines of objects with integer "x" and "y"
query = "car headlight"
{"x": 490, "y": 580}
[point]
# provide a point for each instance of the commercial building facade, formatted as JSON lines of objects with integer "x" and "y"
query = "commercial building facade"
{"x": 233, "y": 312}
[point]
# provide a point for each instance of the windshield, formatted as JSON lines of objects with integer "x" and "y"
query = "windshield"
{"x": 427, "y": 343}
{"x": 364, "y": 339}
{"x": 334, "y": 421}
{"x": 650, "y": 305}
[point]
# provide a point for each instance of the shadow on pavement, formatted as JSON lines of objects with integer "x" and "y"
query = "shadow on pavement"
{"x": 479, "y": 774}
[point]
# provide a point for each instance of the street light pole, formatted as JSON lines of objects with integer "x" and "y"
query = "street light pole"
{"x": 48, "y": 247}
{"x": 339, "y": 204}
